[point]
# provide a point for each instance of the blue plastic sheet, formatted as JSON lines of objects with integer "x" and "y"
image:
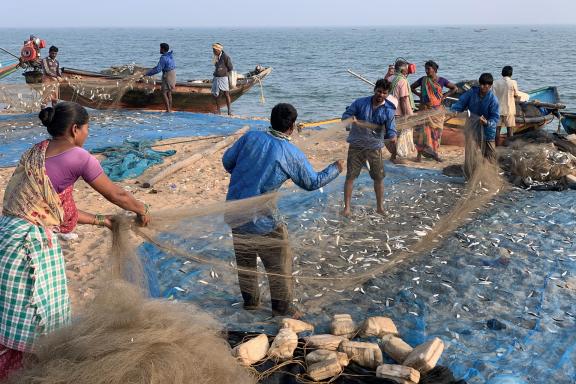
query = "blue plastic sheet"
{"x": 514, "y": 264}
{"x": 108, "y": 128}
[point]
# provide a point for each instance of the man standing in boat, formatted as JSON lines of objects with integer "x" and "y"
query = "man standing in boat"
{"x": 167, "y": 65}
{"x": 51, "y": 76}
{"x": 220, "y": 83}
{"x": 365, "y": 143}
{"x": 506, "y": 90}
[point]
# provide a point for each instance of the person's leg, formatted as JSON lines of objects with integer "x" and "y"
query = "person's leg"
{"x": 498, "y": 131}
{"x": 216, "y": 93}
{"x": 277, "y": 259}
{"x": 246, "y": 261}
{"x": 348, "y": 186}
{"x": 377, "y": 174}
{"x": 354, "y": 163}
{"x": 227, "y": 95}
{"x": 166, "y": 100}
{"x": 170, "y": 100}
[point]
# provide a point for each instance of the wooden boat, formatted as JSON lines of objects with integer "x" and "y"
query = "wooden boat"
{"x": 568, "y": 120}
{"x": 190, "y": 96}
{"x": 542, "y": 105}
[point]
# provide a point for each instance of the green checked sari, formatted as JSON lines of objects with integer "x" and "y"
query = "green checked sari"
{"x": 34, "y": 297}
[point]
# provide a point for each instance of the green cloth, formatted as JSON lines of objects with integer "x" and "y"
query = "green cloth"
{"x": 395, "y": 83}
{"x": 34, "y": 297}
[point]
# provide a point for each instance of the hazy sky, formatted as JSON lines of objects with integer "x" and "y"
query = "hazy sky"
{"x": 220, "y": 13}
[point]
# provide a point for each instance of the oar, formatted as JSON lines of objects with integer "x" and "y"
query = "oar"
{"x": 318, "y": 123}
{"x": 360, "y": 77}
{"x": 10, "y": 53}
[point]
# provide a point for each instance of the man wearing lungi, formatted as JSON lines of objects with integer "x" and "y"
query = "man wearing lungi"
{"x": 220, "y": 84}
{"x": 167, "y": 65}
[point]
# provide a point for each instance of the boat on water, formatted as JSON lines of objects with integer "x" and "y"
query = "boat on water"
{"x": 105, "y": 91}
{"x": 538, "y": 110}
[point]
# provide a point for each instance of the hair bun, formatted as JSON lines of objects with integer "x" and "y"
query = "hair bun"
{"x": 46, "y": 116}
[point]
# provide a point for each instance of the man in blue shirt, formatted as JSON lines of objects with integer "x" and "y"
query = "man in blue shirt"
{"x": 259, "y": 163}
{"x": 483, "y": 105}
{"x": 167, "y": 65}
{"x": 373, "y": 123}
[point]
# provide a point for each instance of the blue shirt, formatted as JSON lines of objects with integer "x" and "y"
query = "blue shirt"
{"x": 165, "y": 64}
{"x": 383, "y": 115}
{"x": 486, "y": 106}
{"x": 260, "y": 163}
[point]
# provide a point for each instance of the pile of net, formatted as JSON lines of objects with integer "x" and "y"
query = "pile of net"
{"x": 130, "y": 159}
{"x": 123, "y": 337}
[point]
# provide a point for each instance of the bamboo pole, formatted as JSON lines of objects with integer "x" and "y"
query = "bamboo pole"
{"x": 194, "y": 158}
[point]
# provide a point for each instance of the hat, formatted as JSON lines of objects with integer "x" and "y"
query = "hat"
{"x": 218, "y": 46}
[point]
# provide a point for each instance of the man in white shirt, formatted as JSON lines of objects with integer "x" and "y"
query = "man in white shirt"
{"x": 506, "y": 90}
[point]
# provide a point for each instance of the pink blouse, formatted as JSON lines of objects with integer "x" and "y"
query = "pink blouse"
{"x": 65, "y": 168}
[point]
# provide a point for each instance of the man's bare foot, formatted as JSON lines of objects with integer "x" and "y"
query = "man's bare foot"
{"x": 418, "y": 159}
{"x": 346, "y": 212}
{"x": 381, "y": 211}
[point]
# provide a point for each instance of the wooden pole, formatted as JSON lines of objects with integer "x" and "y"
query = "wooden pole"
{"x": 194, "y": 158}
{"x": 360, "y": 77}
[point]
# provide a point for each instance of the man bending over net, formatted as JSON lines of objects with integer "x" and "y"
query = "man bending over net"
{"x": 259, "y": 163}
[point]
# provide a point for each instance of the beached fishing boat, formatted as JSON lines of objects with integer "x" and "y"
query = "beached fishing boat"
{"x": 568, "y": 120}
{"x": 102, "y": 91}
{"x": 540, "y": 108}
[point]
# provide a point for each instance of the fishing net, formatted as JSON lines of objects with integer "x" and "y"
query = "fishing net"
{"x": 96, "y": 93}
{"x": 24, "y": 98}
{"x": 317, "y": 258}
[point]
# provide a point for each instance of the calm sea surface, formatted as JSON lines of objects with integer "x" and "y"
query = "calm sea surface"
{"x": 310, "y": 63}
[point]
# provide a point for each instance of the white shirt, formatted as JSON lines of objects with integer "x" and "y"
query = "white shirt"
{"x": 506, "y": 90}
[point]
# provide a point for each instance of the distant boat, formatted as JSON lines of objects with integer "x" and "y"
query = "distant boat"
{"x": 93, "y": 90}
{"x": 533, "y": 30}
{"x": 480, "y": 29}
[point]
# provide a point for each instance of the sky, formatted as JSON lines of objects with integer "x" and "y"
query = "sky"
{"x": 288, "y": 13}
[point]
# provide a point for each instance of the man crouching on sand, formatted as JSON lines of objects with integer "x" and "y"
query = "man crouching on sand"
{"x": 260, "y": 162}
{"x": 366, "y": 144}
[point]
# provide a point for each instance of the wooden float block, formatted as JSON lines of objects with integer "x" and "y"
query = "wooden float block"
{"x": 398, "y": 373}
{"x": 329, "y": 342}
{"x": 324, "y": 370}
{"x": 396, "y": 348}
{"x": 283, "y": 346}
{"x": 297, "y": 325}
{"x": 324, "y": 355}
{"x": 251, "y": 351}
{"x": 425, "y": 356}
{"x": 364, "y": 354}
{"x": 343, "y": 325}
{"x": 378, "y": 326}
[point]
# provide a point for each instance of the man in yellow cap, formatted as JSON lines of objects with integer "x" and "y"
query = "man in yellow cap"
{"x": 220, "y": 82}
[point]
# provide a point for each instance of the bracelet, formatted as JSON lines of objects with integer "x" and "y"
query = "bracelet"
{"x": 146, "y": 209}
{"x": 99, "y": 220}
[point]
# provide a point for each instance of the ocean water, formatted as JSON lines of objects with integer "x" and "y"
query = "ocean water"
{"x": 310, "y": 63}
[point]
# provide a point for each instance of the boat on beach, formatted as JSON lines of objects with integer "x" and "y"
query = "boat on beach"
{"x": 540, "y": 109}
{"x": 568, "y": 120}
{"x": 104, "y": 91}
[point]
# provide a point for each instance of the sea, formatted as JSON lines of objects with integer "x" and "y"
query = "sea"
{"x": 309, "y": 64}
{"x": 502, "y": 296}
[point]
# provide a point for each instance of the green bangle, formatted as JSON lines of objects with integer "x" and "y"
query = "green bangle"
{"x": 99, "y": 220}
{"x": 146, "y": 209}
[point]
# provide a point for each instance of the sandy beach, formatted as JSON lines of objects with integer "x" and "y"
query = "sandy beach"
{"x": 204, "y": 182}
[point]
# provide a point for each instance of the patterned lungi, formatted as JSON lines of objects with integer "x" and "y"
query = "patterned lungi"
{"x": 34, "y": 297}
{"x": 220, "y": 84}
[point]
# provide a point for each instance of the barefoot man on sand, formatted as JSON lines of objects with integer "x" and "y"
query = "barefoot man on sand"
{"x": 365, "y": 145}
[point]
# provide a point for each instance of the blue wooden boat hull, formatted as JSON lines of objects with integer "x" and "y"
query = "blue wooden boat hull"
{"x": 569, "y": 122}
